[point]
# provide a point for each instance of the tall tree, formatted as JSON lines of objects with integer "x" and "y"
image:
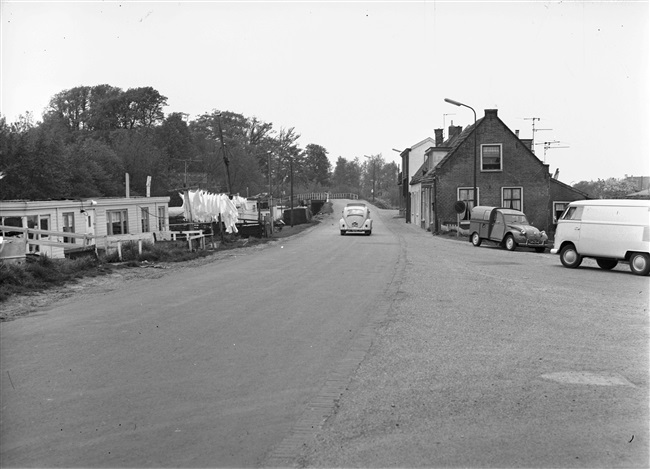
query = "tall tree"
{"x": 95, "y": 170}
{"x": 72, "y": 107}
{"x": 347, "y": 175}
{"x": 317, "y": 165}
{"x": 104, "y": 102}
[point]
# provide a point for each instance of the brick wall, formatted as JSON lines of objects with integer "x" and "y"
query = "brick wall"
{"x": 520, "y": 168}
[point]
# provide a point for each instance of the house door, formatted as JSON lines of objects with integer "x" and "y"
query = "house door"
{"x": 90, "y": 223}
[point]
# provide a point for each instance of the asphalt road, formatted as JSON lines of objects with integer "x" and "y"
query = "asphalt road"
{"x": 400, "y": 349}
{"x": 212, "y": 367}
{"x": 492, "y": 358}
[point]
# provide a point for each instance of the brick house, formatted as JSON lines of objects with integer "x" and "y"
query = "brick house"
{"x": 508, "y": 174}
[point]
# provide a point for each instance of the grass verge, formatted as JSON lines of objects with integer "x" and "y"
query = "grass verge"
{"x": 40, "y": 273}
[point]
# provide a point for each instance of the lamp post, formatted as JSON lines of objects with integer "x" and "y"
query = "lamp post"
{"x": 372, "y": 158}
{"x": 456, "y": 103}
{"x": 269, "y": 152}
{"x": 291, "y": 184}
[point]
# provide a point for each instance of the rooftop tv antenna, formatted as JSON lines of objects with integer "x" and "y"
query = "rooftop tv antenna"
{"x": 443, "y": 121}
{"x": 551, "y": 144}
{"x": 534, "y": 129}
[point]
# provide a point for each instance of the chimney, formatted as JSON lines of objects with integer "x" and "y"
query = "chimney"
{"x": 455, "y": 130}
{"x": 517, "y": 133}
{"x": 528, "y": 143}
{"x": 491, "y": 112}
{"x": 439, "y": 137}
{"x": 127, "y": 184}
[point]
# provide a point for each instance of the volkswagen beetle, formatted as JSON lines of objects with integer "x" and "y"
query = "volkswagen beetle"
{"x": 356, "y": 219}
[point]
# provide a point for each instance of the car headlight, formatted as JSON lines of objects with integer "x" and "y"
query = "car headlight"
{"x": 523, "y": 232}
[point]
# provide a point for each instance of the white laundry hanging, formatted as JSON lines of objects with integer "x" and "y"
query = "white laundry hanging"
{"x": 202, "y": 206}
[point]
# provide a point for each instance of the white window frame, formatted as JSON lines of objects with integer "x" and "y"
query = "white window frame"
{"x": 68, "y": 226}
{"x": 466, "y": 216}
{"x": 161, "y": 219}
{"x": 145, "y": 219}
{"x": 124, "y": 221}
{"x": 521, "y": 198}
{"x": 556, "y": 217}
{"x": 500, "y": 145}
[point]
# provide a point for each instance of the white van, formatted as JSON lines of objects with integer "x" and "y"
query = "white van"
{"x": 606, "y": 230}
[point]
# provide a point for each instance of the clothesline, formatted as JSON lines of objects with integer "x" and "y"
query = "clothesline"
{"x": 202, "y": 206}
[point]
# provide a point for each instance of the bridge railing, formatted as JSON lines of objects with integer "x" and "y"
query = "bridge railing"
{"x": 326, "y": 196}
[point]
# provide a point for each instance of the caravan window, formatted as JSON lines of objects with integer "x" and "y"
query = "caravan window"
{"x": 117, "y": 222}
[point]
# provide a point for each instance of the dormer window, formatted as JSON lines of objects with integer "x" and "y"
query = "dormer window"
{"x": 491, "y": 157}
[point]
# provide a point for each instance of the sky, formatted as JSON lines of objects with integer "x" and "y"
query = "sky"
{"x": 359, "y": 78}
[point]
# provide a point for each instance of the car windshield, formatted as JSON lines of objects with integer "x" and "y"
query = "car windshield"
{"x": 518, "y": 219}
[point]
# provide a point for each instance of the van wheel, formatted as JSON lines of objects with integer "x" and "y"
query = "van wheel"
{"x": 476, "y": 239}
{"x": 510, "y": 243}
{"x": 342, "y": 232}
{"x": 570, "y": 257}
{"x": 368, "y": 232}
{"x": 640, "y": 263}
{"x": 606, "y": 264}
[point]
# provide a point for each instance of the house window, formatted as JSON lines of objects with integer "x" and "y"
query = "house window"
{"x": 117, "y": 222}
{"x": 491, "y": 157}
{"x": 512, "y": 197}
{"x": 466, "y": 194}
{"x": 161, "y": 218}
{"x": 11, "y": 221}
{"x": 145, "y": 220}
{"x": 558, "y": 210}
{"x": 68, "y": 226}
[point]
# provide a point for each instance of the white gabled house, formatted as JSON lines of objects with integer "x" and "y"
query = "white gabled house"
{"x": 412, "y": 159}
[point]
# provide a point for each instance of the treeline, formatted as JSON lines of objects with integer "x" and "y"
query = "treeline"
{"x": 90, "y": 136}
{"x": 610, "y": 188}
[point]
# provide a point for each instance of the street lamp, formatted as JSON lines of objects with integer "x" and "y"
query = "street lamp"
{"x": 456, "y": 103}
{"x": 372, "y": 158}
{"x": 269, "y": 152}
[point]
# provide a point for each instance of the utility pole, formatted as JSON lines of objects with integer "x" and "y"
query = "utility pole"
{"x": 226, "y": 161}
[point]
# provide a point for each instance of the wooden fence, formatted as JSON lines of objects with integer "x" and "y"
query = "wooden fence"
{"x": 92, "y": 242}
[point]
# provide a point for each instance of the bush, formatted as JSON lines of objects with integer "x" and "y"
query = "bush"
{"x": 42, "y": 272}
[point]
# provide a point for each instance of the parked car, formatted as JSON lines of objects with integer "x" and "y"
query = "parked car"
{"x": 510, "y": 228}
{"x": 606, "y": 230}
{"x": 356, "y": 219}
